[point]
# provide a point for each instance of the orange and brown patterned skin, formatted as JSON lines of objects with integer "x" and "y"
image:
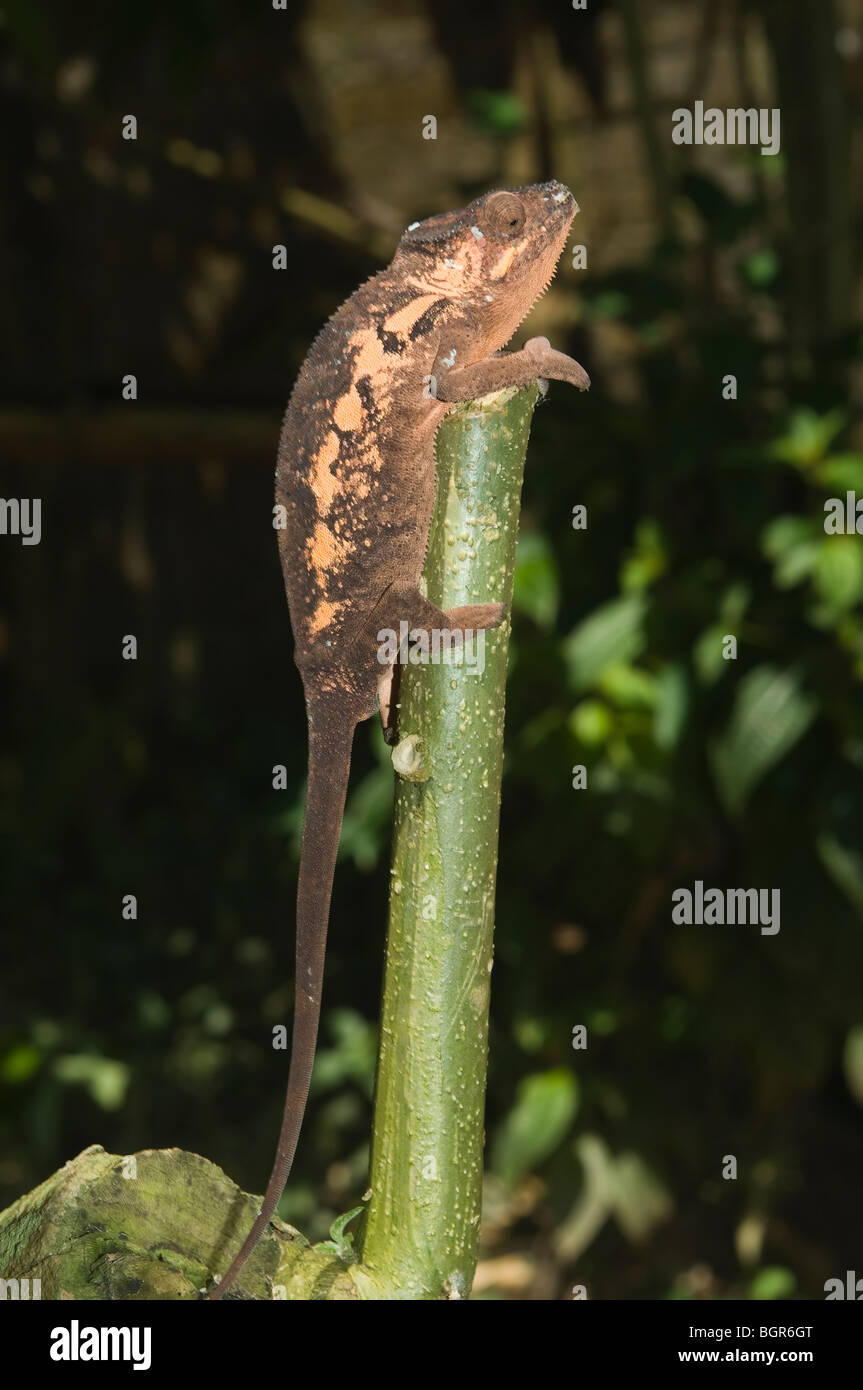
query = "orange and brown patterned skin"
{"x": 356, "y": 471}
{"x": 356, "y": 477}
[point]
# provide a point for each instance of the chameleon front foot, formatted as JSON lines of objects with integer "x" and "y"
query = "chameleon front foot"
{"x": 556, "y": 366}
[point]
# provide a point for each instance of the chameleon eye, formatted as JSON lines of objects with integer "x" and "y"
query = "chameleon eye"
{"x": 505, "y": 213}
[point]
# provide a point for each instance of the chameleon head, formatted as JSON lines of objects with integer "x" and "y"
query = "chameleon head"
{"x": 499, "y": 253}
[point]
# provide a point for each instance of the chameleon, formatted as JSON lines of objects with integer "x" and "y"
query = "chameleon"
{"x": 355, "y": 486}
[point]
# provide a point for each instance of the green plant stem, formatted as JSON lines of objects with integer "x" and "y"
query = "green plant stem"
{"x": 421, "y": 1227}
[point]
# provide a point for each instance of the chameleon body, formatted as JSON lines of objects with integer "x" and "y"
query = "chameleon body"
{"x": 356, "y": 479}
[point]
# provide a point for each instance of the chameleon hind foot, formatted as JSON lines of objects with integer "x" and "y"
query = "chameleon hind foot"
{"x": 476, "y": 617}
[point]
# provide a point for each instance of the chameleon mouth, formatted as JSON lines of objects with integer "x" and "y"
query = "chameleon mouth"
{"x": 561, "y": 208}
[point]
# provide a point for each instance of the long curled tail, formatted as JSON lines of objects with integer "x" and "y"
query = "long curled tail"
{"x": 331, "y": 736}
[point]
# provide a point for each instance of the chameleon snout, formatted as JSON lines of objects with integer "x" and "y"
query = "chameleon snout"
{"x": 558, "y": 194}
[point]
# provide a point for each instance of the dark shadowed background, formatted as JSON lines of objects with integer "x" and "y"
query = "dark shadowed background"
{"x": 154, "y": 257}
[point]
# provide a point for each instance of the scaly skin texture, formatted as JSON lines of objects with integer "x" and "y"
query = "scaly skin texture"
{"x": 356, "y": 480}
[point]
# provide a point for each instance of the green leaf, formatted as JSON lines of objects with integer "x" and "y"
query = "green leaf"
{"x": 365, "y": 827}
{"x": 734, "y": 603}
{"x": 500, "y": 112}
{"x": 591, "y": 722}
{"x": 20, "y": 1063}
{"x": 612, "y": 633}
{"x": 603, "y": 1022}
{"x": 808, "y": 436}
{"x": 105, "y": 1079}
{"x": 795, "y": 565}
{"x": 628, "y": 686}
{"x": 770, "y": 714}
{"x": 641, "y": 1201}
{"x": 707, "y": 654}
{"x": 792, "y": 543}
{"x": 340, "y": 1243}
{"x": 352, "y": 1056}
{"x": 844, "y": 864}
{"x": 536, "y": 587}
{"x": 337, "y": 1229}
{"x": 648, "y": 560}
{"x": 774, "y": 1281}
{"x": 672, "y": 705}
{"x": 838, "y": 572}
{"x": 544, "y": 1109}
{"x": 761, "y": 268}
{"x": 841, "y": 473}
{"x": 852, "y": 1063}
{"x": 529, "y": 1032}
{"x": 785, "y": 533}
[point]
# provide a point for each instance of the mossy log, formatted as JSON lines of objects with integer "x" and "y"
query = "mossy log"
{"x": 152, "y": 1225}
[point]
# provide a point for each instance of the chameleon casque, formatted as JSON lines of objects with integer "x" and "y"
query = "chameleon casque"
{"x": 356, "y": 478}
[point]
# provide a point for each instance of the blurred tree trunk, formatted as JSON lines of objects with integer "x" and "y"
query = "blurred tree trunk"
{"x": 813, "y": 98}
{"x": 654, "y": 146}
